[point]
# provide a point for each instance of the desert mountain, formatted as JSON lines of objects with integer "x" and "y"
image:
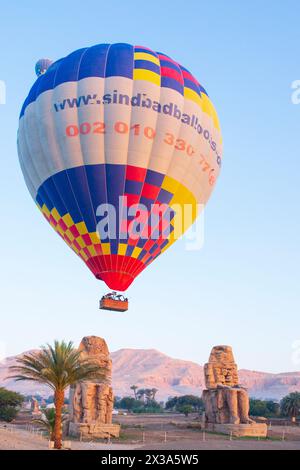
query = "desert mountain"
{"x": 148, "y": 368}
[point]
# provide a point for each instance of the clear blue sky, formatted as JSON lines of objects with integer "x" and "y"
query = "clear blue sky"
{"x": 242, "y": 288}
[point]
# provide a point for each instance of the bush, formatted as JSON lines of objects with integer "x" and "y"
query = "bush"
{"x": 138, "y": 406}
{"x": 126, "y": 403}
{"x": 9, "y": 404}
{"x": 290, "y": 405}
{"x": 267, "y": 408}
{"x": 185, "y": 404}
{"x": 185, "y": 409}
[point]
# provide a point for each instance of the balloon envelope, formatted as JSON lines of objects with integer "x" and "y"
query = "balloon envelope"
{"x": 113, "y": 126}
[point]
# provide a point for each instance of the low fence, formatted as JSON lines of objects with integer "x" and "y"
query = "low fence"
{"x": 288, "y": 433}
{"x": 133, "y": 435}
{"x": 35, "y": 432}
{"x": 28, "y": 428}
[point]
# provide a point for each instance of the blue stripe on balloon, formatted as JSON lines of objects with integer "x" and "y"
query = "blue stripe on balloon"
{"x": 68, "y": 70}
{"x": 129, "y": 250}
{"x": 153, "y": 177}
{"x": 133, "y": 187}
{"x": 153, "y": 248}
{"x": 145, "y": 51}
{"x": 141, "y": 243}
{"x": 146, "y": 64}
{"x": 51, "y": 193}
{"x": 169, "y": 82}
{"x": 93, "y": 62}
{"x": 47, "y": 80}
{"x": 203, "y": 90}
{"x": 64, "y": 189}
{"x": 164, "y": 243}
{"x": 164, "y": 196}
{"x": 44, "y": 198}
{"x": 146, "y": 202}
{"x": 96, "y": 176}
{"x": 189, "y": 84}
{"x": 80, "y": 187}
{"x": 115, "y": 182}
{"x": 170, "y": 65}
{"x": 120, "y": 61}
{"x": 142, "y": 254}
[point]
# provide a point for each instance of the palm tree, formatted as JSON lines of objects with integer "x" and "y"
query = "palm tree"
{"x": 154, "y": 392}
{"x": 47, "y": 421}
{"x": 290, "y": 405}
{"x": 148, "y": 394}
{"x": 141, "y": 394}
{"x": 58, "y": 366}
{"x": 134, "y": 388}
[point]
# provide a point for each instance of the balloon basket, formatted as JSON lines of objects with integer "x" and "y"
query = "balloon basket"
{"x": 114, "y": 302}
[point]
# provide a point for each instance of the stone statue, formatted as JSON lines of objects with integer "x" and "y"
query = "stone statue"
{"x": 35, "y": 409}
{"x": 91, "y": 403}
{"x": 225, "y": 401}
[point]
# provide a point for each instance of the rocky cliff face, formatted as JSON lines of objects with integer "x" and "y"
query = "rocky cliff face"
{"x": 149, "y": 368}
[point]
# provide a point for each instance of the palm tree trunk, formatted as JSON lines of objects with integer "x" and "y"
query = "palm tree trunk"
{"x": 59, "y": 398}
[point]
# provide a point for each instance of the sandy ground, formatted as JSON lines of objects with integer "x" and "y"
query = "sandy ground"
{"x": 155, "y": 432}
{"x": 218, "y": 444}
{"x": 24, "y": 440}
{"x": 20, "y": 440}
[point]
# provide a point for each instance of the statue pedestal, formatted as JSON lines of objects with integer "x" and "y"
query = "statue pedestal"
{"x": 96, "y": 430}
{"x": 239, "y": 430}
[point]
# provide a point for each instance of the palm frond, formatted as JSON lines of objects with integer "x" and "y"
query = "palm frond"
{"x": 58, "y": 366}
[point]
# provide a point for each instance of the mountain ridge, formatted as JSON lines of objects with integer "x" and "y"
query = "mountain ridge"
{"x": 150, "y": 368}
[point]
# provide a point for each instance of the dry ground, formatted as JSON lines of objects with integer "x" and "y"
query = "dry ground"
{"x": 25, "y": 440}
{"x": 155, "y": 432}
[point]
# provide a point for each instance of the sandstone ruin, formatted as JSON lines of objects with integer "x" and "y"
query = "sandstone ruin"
{"x": 91, "y": 403}
{"x": 226, "y": 401}
{"x": 35, "y": 408}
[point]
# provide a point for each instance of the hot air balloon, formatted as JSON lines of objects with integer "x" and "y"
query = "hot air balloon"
{"x": 42, "y": 66}
{"x": 118, "y": 126}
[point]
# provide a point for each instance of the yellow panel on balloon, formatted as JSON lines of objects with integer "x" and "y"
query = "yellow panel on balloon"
{"x": 122, "y": 249}
{"x": 136, "y": 252}
{"x": 68, "y": 220}
{"x": 81, "y": 227}
{"x": 105, "y": 248}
